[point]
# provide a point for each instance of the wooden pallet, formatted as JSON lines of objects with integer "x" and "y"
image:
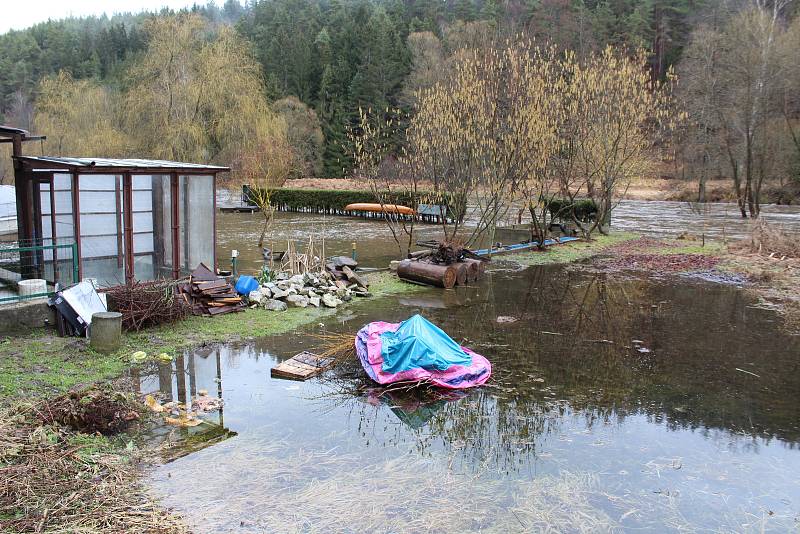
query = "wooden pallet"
{"x": 301, "y": 366}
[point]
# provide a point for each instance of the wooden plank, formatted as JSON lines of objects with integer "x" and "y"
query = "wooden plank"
{"x": 224, "y": 309}
{"x": 313, "y": 359}
{"x": 205, "y": 286}
{"x": 229, "y": 300}
{"x": 301, "y": 366}
{"x": 203, "y": 274}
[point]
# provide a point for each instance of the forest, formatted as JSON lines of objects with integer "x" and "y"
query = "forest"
{"x": 303, "y": 71}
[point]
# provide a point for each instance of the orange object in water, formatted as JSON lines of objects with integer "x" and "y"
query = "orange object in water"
{"x": 377, "y": 208}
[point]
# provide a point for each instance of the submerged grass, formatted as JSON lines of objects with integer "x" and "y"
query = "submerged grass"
{"x": 329, "y": 491}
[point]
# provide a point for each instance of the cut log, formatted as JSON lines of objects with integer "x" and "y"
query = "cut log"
{"x": 428, "y": 273}
{"x": 420, "y": 254}
{"x": 462, "y": 273}
{"x": 476, "y": 269}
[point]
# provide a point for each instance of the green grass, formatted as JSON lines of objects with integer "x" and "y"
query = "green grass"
{"x": 569, "y": 252}
{"x": 41, "y": 363}
{"x": 581, "y": 250}
{"x": 712, "y": 248}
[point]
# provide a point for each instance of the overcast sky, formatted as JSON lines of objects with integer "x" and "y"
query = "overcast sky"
{"x": 18, "y": 14}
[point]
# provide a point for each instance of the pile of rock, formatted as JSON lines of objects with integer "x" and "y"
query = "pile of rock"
{"x": 303, "y": 290}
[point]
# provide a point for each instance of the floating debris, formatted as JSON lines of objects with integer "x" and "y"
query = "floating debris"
{"x": 153, "y": 404}
{"x": 302, "y": 366}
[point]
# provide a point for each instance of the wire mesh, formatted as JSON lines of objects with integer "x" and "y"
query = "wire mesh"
{"x": 30, "y": 269}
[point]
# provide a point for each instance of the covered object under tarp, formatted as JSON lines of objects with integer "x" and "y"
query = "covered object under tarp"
{"x": 416, "y": 350}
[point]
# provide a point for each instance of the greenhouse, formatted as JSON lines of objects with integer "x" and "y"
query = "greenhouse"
{"x": 125, "y": 219}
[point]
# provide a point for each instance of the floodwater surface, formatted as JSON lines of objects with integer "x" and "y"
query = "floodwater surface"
{"x": 375, "y": 245}
{"x": 616, "y": 404}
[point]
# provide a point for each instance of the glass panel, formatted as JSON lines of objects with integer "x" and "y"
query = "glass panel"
{"x": 65, "y": 224}
{"x": 152, "y": 227}
{"x": 197, "y": 221}
{"x": 102, "y": 228}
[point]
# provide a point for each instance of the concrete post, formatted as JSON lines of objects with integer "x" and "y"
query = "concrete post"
{"x": 106, "y": 331}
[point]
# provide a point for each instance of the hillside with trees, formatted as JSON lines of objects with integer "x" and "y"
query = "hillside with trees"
{"x": 308, "y": 68}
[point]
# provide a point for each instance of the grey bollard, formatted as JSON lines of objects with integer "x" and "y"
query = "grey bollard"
{"x": 106, "y": 331}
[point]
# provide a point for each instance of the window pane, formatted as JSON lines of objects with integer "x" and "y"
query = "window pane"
{"x": 197, "y": 221}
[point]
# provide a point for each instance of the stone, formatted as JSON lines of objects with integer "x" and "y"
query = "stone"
{"x": 297, "y": 280}
{"x": 298, "y": 301}
{"x": 282, "y": 276}
{"x": 330, "y": 301}
{"x": 314, "y": 301}
{"x": 266, "y": 292}
{"x": 341, "y": 261}
{"x": 393, "y": 265}
{"x": 270, "y": 285}
{"x": 283, "y": 284}
{"x": 275, "y": 305}
{"x": 255, "y": 296}
{"x": 362, "y": 294}
{"x": 279, "y": 293}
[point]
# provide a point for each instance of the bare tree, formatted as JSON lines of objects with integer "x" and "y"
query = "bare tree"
{"x": 740, "y": 93}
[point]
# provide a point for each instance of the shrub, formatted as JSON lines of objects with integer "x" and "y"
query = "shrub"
{"x": 585, "y": 210}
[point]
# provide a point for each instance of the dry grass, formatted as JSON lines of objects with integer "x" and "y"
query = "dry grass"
{"x": 766, "y": 240}
{"x": 328, "y": 183}
{"x": 338, "y": 345}
{"x": 56, "y": 480}
{"x": 771, "y": 260}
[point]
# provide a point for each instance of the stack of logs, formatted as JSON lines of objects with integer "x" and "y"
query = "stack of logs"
{"x": 208, "y": 294}
{"x": 429, "y": 268}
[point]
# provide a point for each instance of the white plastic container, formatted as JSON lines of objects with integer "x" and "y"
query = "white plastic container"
{"x": 34, "y": 286}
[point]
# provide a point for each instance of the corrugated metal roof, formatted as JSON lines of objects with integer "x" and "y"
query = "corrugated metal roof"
{"x": 9, "y": 130}
{"x": 121, "y": 164}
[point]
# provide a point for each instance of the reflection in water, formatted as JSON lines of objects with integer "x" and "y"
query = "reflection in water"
{"x": 615, "y": 403}
{"x": 203, "y": 370}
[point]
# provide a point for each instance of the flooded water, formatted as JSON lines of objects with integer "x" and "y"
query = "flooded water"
{"x": 616, "y": 404}
{"x": 715, "y": 220}
{"x": 375, "y": 245}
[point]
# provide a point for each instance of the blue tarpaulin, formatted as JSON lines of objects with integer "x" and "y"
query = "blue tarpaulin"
{"x": 245, "y": 284}
{"x": 418, "y": 343}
